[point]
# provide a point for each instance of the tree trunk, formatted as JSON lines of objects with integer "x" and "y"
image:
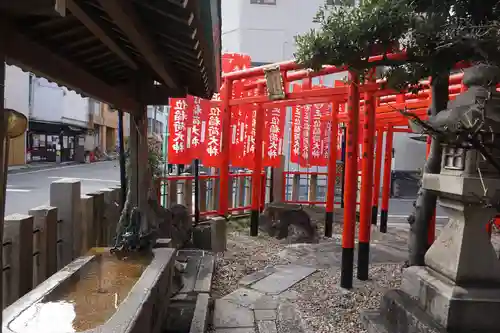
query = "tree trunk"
{"x": 425, "y": 203}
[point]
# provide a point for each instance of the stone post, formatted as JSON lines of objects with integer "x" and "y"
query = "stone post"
{"x": 248, "y": 193}
{"x": 180, "y": 192}
{"x": 214, "y": 201}
{"x": 88, "y": 232}
{"x": 279, "y": 181}
{"x": 296, "y": 187}
{"x": 188, "y": 194}
{"x": 218, "y": 234}
{"x": 313, "y": 188}
{"x": 45, "y": 233}
{"x": 98, "y": 213}
{"x": 172, "y": 192}
{"x": 241, "y": 191}
{"x": 230, "y": 192}
{"x": 111, "y": 215}
{"x": 65, "y": 195}
{"x": 203, "y": 193}
{"x": 18, "y": 252}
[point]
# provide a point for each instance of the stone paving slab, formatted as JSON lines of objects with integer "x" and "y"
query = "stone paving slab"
{"x": 259, "y": 275}
{"x": 235, "y": 330}
{"x": 231, "y": 315}
{"x": 265, "y": 315}
{"x": 243, "y": 297}
{"x": 284, "y": 278}
{"x": 267, "y": 327}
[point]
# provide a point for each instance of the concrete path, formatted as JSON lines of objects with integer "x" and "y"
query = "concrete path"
{"x": 261, "y": 301}
{"x": 30, "y": 189}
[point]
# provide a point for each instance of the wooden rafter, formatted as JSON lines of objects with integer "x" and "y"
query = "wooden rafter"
{"x": 123, "y": 15}
{"x": 29, "y": 55}
{"x": 99, "y": 32}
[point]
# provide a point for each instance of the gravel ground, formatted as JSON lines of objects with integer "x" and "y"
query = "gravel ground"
{"x": 322, "y": 304}
{"x": 326, "y": 308}
{"x": 244, "y": 256}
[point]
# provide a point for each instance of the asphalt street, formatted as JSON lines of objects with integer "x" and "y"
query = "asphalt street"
{"x": 30, "y": 189}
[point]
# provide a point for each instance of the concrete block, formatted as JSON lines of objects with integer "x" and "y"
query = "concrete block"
{"x": 202, "y": 236}
{"x": 45, "y": 222}
{"x": 266, "y": 303}
{"x": 18, "y": 254}
{"x": 115, "y": 194}
{"x": 99, "y": 207}
{"x": 65, "y": 194}
{"x": 218, "y": 234}
{"x": 284, "y": 278}
{"x": 200, "y": 318}
{"x": 163, "y": 242}
{"x": 265, "y": 315}
{"x": 190, "y": 275}
{"x": 230, "y": 315}
{"x": 211, "y": 235}
{"x": 268, "y": 326}
{"x": 111, "y": 215}
{"x": 203, "y": 193}
{"x": 235, "y": 330}
{"x": 205, "y": 274}
{"x": 256, "y": 276}
{"x": 88, "y": 232}
{"x": 244, "y": 297}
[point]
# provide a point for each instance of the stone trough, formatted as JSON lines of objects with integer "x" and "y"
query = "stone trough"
{"x": 98, "y": 293}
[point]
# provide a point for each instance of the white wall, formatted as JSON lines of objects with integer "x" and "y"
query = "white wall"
{"x": 17, "y": 89}
{"x": 75, "y": 109}
{"x": 48, "y": 101}
{"x": 52, "y": 103}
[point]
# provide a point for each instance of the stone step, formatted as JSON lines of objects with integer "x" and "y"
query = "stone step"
{"x": 399, "y": 313}
{"x": 190, "y": 308}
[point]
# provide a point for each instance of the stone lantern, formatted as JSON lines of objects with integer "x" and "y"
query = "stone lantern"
{"x": 459, "y": 288}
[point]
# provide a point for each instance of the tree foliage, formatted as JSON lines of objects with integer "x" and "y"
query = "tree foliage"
{"x": 435, "y": 34}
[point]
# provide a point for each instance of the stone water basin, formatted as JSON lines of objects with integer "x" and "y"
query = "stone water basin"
{"x": 98, "y": 293}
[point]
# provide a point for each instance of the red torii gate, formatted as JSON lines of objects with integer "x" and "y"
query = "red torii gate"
{"x": 380, "y": 114}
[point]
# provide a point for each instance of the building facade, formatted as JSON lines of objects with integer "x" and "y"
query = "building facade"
{"x": 265, "y": 30}
{"x": 17, "y": 97}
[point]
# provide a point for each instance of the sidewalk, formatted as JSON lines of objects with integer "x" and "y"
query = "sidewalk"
{"x": 38, "y": 166}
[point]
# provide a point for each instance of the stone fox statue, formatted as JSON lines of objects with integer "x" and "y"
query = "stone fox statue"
{"x": 288, "y": 221}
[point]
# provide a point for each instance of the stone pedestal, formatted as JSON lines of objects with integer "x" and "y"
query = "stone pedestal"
{"x": 459, "y": 289}
{"x": 65, "y": 194}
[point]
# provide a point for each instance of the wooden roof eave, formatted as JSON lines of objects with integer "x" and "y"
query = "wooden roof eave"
{"x": 29, "y": 55}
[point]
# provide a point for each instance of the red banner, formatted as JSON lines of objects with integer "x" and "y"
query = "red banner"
{"x": 197, "y": 127}
{"x": 295, "y": 142}
{"x": 305, "y": 144}
{"x": 273, "y": 136}
{"x": 213, "y": 136}
{"x": 177, "y": 140}
{"x": 317, "y": 135}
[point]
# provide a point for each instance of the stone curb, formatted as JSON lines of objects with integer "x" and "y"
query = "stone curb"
{"x": 46, "y": 167}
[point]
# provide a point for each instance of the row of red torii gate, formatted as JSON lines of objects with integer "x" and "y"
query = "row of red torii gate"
{"x": 244, "y": 126}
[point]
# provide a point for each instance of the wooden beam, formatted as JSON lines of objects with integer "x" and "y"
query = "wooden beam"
{"x": 31, "y": 56}
{"x": 99, "y": 32}
{"x": 123, "y": 15}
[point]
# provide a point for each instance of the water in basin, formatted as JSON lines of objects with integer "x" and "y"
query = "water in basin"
{"x": 86, "y": 300}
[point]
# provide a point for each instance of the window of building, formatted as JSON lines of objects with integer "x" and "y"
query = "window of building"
{"x": 340, "y": 2}
{"x": 263, "y": 2}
